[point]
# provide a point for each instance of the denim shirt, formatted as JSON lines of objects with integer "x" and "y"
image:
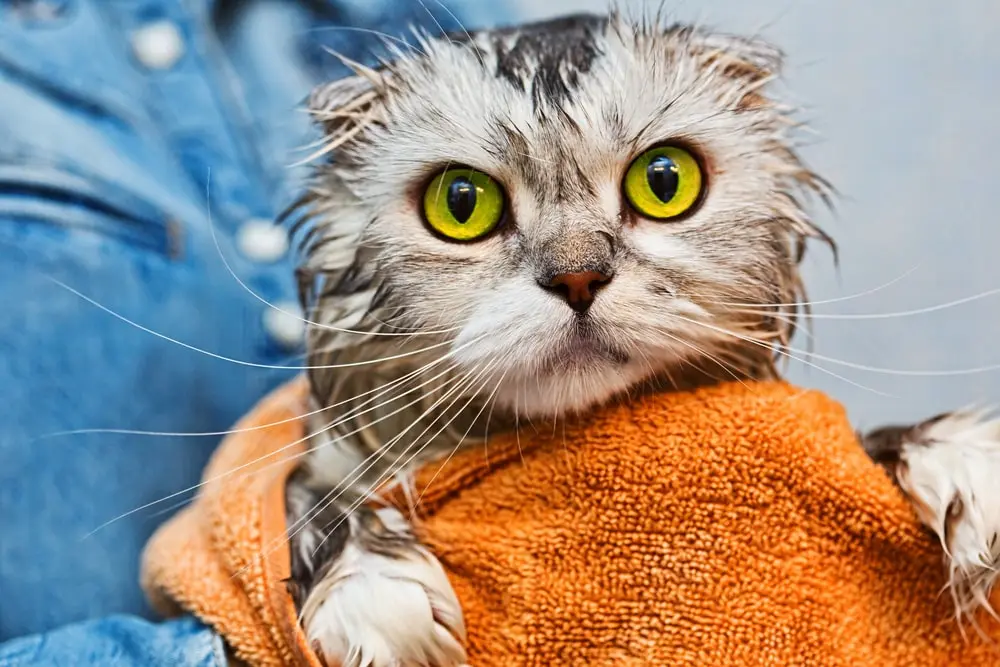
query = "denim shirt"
{"x": 139, "y": 141}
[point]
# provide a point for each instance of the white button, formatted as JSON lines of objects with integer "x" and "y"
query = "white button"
{"x": 158, "y": 45}
{"x": 286, "y": 328}
{"x": 262, "y": 241}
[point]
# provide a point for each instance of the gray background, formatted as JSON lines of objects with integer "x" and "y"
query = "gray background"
{"x": 904, "y": 98}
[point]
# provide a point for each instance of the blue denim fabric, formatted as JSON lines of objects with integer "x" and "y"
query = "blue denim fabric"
{"x": 113, "y": 176}
{"x": 119, "y": 641}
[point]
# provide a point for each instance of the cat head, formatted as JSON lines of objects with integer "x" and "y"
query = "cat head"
{"x": 567, "y": 209}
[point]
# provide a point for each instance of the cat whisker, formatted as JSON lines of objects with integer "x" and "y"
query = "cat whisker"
{"x": 863, "y": 367}
{"x": 377, "y": 454}
{"x": 443, "y": 32}
{"x": 488, "y": 402}
{"x": 300, "y": 523}
{"x": 396, "y": 313}
{"x": 393, "y": 39}
{"x": 320, "y": 349}
{"x": 329, "y": 427}
{"x": 823, "y": 302}
{"x": 169, "y": 509}
{"x": 440, "y": 187}
{"x": 649, "y": 382}
{"x": 241, "y": 362}
{"x": 707, "y": 355}
{"x": 229, "y": 473}
{"x": 259, "y": 427}
{"x": 975, "y": 370}
{"x": 781, "y": 350}
{"x": 337, "y": 492}
{"x": 395, "y": 468}
{"x": 389, "y": 325}
{"x": 517, "y": 422}
{"x": 489, "y": 417}
{"x": 400, "y": 467}
{"x": 885, "y": 316}
{"x": 297, "y": 317}
{"x": 791, "y": 320}
{"x": 472, "y": 42}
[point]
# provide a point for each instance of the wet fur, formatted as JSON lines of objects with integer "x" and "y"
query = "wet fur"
{"x": 555, "y": 111}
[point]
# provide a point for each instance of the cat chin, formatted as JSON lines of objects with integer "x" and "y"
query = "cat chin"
{"x": 569, "y": 389}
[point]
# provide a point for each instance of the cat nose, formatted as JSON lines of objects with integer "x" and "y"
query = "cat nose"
{"x": 577, "y": 288}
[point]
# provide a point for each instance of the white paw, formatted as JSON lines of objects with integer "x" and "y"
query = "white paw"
{"x": 390, "y": 608}
{"x": 950, "y": 469}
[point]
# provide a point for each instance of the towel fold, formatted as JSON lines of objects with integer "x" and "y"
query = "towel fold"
{"x": 224, "y": 557}
{"x": 734, "y": 525}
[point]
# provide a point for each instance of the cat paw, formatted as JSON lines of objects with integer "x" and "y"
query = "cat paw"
{"x": 949, "y": 467}
{"x": 385, "y": 604}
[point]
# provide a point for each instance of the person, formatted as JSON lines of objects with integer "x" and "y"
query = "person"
{"x": 145, "y": 149}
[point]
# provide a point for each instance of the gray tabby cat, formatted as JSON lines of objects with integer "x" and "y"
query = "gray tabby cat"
{"x": 531, "y": 222}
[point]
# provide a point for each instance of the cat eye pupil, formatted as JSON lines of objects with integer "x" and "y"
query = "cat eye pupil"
{"x": 663, "y": 176}
{"x": 462, "y": 199}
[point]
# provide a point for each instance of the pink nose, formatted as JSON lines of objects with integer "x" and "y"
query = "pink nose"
{"x": 578, "y": 288}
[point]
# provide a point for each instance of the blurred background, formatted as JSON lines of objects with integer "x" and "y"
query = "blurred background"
{"x": 903, "y": 99}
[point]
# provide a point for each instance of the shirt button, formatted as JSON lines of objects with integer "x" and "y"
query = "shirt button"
{"x": 285, "y": 328}
{"x": 158, "y": 45}
{"x": 262, "y": 241}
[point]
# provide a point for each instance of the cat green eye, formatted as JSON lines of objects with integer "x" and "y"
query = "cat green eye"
{"x": 463, "y": 204}
{"x": 664, "y": 182}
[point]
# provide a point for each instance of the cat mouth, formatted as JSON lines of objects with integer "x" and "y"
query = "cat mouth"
{"x": 582, "y": 348}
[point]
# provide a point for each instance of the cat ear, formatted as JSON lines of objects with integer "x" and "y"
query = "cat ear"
{"x": 741, "y": 57}
{"x": 753, "y": 63}
{"x": 345, "y": 107}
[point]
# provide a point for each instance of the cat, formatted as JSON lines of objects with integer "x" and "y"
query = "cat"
{"x": 531, "y": 222}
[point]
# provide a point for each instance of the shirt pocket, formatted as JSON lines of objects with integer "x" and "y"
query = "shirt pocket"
{"x": 77, "y": 146}
{"x": 55, "y": 195}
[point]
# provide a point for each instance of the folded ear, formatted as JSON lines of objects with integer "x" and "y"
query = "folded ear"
{"x": 742, "y": 57}
{"x": 753, "y": 63}
{"x": 345, "y": 107}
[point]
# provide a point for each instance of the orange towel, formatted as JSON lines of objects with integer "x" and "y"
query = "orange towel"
{"x": 737, "y": 525}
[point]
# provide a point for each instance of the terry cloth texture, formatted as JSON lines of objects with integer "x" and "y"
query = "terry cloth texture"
{"x": 735, "y": 525}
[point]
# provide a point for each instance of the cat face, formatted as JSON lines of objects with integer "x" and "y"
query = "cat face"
{"x": 575, "y": 206}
